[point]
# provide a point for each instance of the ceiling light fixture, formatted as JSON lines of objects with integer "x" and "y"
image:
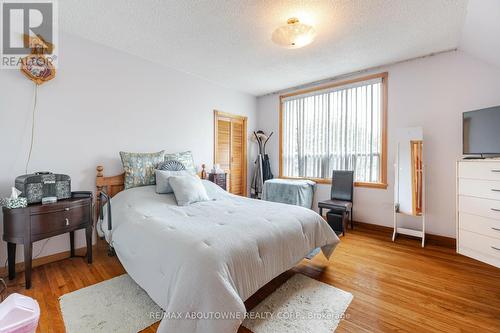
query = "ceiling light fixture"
{"x": 294, "y": 34}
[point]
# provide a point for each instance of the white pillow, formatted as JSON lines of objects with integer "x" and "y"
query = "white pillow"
{"x": 162, "y": 176}
{"x": 188, "y": 189}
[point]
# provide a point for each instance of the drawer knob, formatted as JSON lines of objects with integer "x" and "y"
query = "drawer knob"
{"x": 496, "y": 229}
{"x": 495, "y": 248}
{"x": 495, "y": 209}
{"x": 495, "y": 170}
{"x": 67, "y": 222}
{"x": 66, "y": 209}
{"x": 495, "y": 190}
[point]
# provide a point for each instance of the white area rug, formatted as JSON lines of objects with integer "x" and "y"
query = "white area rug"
{"x": 116, "y": 305}
{"x": 300, "y": 305}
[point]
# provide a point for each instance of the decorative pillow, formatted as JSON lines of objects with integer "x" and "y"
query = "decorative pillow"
{"x": 171, "y": 165}
{"x": 162, "y": 183}
{"x": 140, "y": 168}
{"x": 185, "y": 158}
{"x": 188, "y": 189}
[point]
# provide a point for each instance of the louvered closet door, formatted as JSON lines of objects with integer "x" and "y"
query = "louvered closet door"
{"x": 223, "y": 145}
{"x": 236, "y": 176}
{"x": 230, "y": 150}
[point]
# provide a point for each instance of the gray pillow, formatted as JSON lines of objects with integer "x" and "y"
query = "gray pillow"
{"x": 162, "y": 183}
{"x": 188, "y": 189}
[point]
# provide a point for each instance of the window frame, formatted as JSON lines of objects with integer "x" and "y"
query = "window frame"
{"x": 383, "y": 159}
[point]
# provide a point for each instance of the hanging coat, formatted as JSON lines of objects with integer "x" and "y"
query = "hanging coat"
{"x": 257, "y": 179}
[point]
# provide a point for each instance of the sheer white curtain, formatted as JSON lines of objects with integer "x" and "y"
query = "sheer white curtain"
{"x": 335, "y": 129}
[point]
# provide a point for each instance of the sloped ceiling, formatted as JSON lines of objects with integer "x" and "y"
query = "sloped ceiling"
{"x": 229, "y": 42}
{"x": 481, "y": 33}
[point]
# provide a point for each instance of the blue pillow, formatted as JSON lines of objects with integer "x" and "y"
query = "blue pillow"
{"x": 188, "y": 190}
{"x": 162, "y": 183}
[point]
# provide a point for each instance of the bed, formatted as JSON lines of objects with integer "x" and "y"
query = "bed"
{"x": 200, "y": 262}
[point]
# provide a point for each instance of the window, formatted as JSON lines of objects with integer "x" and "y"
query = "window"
{"x": 337, "y": 127}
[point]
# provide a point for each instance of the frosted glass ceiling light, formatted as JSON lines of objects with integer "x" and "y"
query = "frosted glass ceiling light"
{"x": 294, "y": 34}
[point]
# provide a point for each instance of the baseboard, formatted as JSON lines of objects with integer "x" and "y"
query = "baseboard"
{"x": 47, "y": 259}
{"x": 438, "y": 240}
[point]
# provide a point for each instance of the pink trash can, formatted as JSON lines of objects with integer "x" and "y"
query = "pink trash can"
{"x": 19, "y": 314}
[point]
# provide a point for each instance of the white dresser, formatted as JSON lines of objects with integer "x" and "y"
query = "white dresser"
{"x": 478, "y": 210}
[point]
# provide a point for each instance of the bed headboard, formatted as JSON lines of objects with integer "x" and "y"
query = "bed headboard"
{"x": 111, "y": 185}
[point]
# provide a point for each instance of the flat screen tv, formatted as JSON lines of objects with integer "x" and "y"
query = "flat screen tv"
{"x": 481, "y": 132}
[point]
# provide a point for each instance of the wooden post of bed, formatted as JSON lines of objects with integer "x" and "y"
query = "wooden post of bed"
{"x": 99, "y": 186}
{"x": 111, "y": 185}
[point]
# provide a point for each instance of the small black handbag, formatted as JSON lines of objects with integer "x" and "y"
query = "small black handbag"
{"x": 35, "y": 187}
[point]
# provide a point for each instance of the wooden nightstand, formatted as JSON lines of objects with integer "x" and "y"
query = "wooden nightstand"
{"x": 219, "y": 179}
{"x": 37, "y": 222}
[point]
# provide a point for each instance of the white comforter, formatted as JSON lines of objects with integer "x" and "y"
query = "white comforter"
{"x": 205, "y": 259}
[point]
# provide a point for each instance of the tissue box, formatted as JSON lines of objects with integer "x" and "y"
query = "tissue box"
{"x": 14, "y": 203}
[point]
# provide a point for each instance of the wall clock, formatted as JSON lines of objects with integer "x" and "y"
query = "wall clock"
{"x": 36, "y": 66}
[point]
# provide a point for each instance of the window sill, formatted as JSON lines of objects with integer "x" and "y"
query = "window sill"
{"x": 371, "y": 185}
{"x": 329, "y": 181}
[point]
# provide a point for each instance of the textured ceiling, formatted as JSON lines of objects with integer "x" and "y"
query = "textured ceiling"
{"x": 481, "y": 33}
{"x": 229, "y": 42}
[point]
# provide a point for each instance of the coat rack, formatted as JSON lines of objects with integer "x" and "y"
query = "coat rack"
{"x": 262, "y": 171}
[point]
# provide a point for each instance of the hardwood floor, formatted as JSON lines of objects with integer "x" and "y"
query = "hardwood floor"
{"x": 397, "y": 287}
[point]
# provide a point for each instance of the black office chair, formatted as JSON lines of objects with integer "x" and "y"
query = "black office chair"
{"x": 341, "y": 194}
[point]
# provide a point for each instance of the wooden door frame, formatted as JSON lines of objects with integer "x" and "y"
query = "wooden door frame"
{"x": 221, "y": 115}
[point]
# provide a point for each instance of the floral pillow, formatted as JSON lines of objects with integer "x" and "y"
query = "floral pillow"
{"x": 140, "y": 168}
{"x": 185, "y": 158}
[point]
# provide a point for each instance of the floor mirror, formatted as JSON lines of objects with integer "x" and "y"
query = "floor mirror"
{"x": 409, "y": 184}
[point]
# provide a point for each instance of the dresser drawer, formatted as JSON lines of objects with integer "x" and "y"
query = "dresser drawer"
{"x": 479, "y": 170}
{"x": 489, "y": 189}
{"x": 480, "y": 225}
{"x": 478, "y": 206}
{"x": 480, "y": 247}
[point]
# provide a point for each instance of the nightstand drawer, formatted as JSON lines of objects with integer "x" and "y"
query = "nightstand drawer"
{"x": 61, "y": 220}
{"x": 46, "y": 223}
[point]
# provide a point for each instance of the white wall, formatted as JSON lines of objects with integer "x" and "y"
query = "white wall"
{"x": 431, "y": 92}
{"x": 101, "y": 102}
